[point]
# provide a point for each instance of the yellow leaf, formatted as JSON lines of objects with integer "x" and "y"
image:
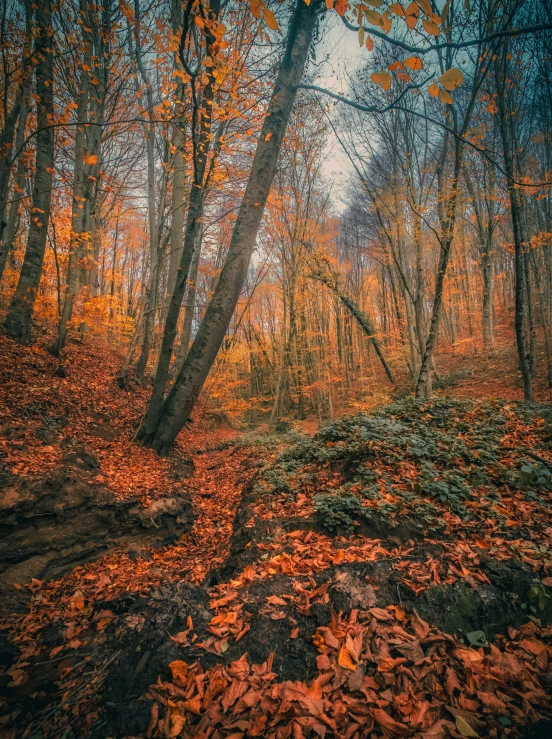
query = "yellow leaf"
{"x": 451, "y": 79}
{"x": 374, "y": 3}
{"x": 433, "y": 90}
{"x": 445, "y": 97}
{"x": 414, "y": 62}
{"x": 270, "y": 20}
{"x": 178, "y": 722}
{"x": 464, "y": 728}
{"x": 360, "y": 36}
{"x": 431, "y": 27}
{"x": 344, "y": 659}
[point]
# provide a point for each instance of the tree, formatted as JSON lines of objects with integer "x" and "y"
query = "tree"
{"x": 18, "y": 320}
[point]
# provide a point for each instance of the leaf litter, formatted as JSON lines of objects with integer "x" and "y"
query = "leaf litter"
{"x": 353, "y": 598}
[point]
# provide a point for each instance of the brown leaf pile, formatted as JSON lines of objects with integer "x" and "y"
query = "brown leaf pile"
{"x": 381, "y": 672}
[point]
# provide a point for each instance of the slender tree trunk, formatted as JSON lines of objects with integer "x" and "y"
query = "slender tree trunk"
{"x": 18, "y": 320}
{"x": 183, "y": 395}
{"x": 193, "y": 226}
{"x": 178, "y": 206}
{"x": 85, "y": 177}
{"x": 12, "y": 224}
{"x": 11, "y": 116}
{"x": 189, "y": 307}
{"x": 486, "y": 267}
{"x": 522, "y": 339}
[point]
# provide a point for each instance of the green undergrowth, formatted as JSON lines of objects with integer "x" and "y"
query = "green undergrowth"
{"x": 435, "y": 463}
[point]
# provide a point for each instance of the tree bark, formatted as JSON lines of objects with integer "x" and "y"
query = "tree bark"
{"x": 12, "y": 224}
{"x": 85, "y": 172}
{"x": 522, "y": 340}
{"x": 182, "y": 398}
{"x": 193, "y": 226}
{"x": 18, "y": 320}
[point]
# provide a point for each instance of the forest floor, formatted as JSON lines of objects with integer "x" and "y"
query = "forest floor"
{"x": 389, "y": 576}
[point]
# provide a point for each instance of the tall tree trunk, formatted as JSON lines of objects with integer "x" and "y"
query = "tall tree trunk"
{"x": 522, "y": 340}
{"x": 12, "y": 224}
{"x": 149, "y": 130}
{"x": 193, "y": 227}
{"x": 85, "y": 174}
{"x": 178, "y": 201}
{"x": 11, "y": 116}
{"x": 177, "y": 408}
{"x": 18, "y": 320}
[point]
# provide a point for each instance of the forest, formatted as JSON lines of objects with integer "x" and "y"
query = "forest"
{"x": 275, "y": 369}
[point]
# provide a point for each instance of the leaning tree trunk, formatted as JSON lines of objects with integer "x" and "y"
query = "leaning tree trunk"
{"x": 184, "y": 393}
{"x": 367, "y": 326}
{"x": 18, "y": 321}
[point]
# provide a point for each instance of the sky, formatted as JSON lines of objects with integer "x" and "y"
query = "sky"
{"x": 338, "y": 56}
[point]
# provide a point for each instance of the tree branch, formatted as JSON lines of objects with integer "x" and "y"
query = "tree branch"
{"x": 503, "y": 33}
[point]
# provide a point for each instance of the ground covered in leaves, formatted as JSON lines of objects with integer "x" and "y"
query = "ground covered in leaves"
{"x": 390, "y": 576}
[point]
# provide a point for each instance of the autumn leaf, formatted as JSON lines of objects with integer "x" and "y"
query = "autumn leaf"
{"x": 360, "y": 36}
{"x": 433, "y": 89}
{"x": 255, "y": 6}
{"x": 270, "y": 19}
{"x": 386, "y": 22}
{"x": 91, "y": 159}
{"x": 411, "y": 15}
{"x": 451, "y": 79}
{"x": 381, "y": 78}
{"x": 178, "y": 722}
{"x": 341, "y": 7}
{"x": 344, "y": 659}
{"x": 445, "y": 97}
{"x": 398, "y": 9}
{"x": 387, "y": 722}
{"x": 414, "y": 62}
{"x": 431, "y": 27}
{"x": 425, "y": 5}
{"x": 373, "y": 17}
{"x": 464, "y": 728}
{"x": 381, "y": 614}
{"x": 275, "y": 600}
{"x": 370, "y": 46}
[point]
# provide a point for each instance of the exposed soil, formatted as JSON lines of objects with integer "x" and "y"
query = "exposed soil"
{"x": 49, "y": 525}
